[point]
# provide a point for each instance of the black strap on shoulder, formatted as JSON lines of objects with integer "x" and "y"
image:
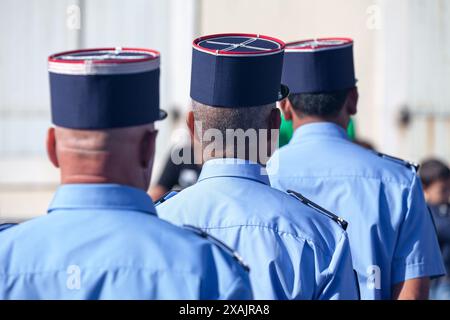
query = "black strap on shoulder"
{"x": 408, "y": 164}
{"x": 218, "y": 243}
{"x": 5, "y": 226}
{"x": 323, "y": 211}
{"x": 166, "y": 196}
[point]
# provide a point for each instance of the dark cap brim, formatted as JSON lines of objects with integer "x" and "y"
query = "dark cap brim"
{"x": 162, "y": 114}
{"x": 283, "y": 93}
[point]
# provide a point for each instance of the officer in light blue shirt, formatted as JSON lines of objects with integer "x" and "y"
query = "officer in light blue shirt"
{"x": 392, "y": 238}
{"x": 102, "y": 238}
{"x": 294, "y": 249}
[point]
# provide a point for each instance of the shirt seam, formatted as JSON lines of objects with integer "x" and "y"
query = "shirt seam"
{"x": 280, "y": 232}
{"x": 342, "y": 176}
{"x": 92, "y": 268}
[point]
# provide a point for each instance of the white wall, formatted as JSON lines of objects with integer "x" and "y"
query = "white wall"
{"x": 414, "y": 71}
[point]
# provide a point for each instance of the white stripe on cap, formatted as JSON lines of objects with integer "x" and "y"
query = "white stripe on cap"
{"x": 104, "y": 61}
{"x": 322, "y": 45}
{"x": 90, "y": 67}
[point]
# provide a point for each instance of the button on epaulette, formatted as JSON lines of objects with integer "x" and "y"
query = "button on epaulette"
{"x": 408, "y": 164}
{"x": 218, "y": 243}
{"x": 166, "y": 197}
{"x": 318, "y": 208}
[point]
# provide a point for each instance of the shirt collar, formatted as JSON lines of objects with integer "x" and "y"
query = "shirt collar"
{"x": 327, "y": 129}
{"x": 101, "y": 196}
{"x": 230, "y": 167}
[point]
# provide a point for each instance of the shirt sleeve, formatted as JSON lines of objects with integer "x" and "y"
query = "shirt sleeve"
{"x": 340, "y": 282}
{"x": 417, "y": 252}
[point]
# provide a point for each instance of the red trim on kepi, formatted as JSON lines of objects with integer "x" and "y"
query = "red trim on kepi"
{"x": 319, "y": 65}
{"x": 318, "y": 44}
{"x": 230, "y": 44}
{"x": 105, "y": 88}
{"x": 151, "y": 55}
{"x": 237, "y": 70}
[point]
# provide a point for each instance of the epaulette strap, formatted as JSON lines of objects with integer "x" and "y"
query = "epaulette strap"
{"x": 218, "y": 243}
{"x": 315, "y": 206}
{"x": 408, "y": 164}
{"x": 5, "y": 226}
{"x": 166, "y": 197}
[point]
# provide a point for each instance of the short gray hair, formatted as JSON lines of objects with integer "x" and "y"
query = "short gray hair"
{"x": 240, "y": 129}
{"x": 232, "y": 118}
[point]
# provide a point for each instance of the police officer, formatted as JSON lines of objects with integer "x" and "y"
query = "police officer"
{"x": 293, "y": 250}
{"x": 392, "y": 238}
{"x": 102, "y": 238}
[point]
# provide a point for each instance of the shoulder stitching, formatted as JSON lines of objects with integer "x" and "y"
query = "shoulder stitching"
{"x": 341, "y": 222}
{"x": 219, "y": 244}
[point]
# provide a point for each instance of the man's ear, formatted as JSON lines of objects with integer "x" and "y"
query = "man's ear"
{"x": 51, "y": 147}
{"x": 147, "y": 148}
{"x": 286, "y": 108}
{"x": 352, "y": 101}
{"x": 190, "y": 122}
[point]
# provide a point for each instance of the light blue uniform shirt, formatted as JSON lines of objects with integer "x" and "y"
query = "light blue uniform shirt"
{"x": 104, "y": 241}
{"x": 390, "y": 229}
{"x": 293, "y": 251}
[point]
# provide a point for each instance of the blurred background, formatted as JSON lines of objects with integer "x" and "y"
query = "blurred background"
{"x": 402, "y": 58}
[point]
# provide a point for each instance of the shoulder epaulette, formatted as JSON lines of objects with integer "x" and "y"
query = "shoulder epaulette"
{"x": 5, "y": 226}
{"x": 218, "y": 243}
{"x": 318, "y": 208}
{"x": 408, "y": 164}
{"x": 166, "y": 197}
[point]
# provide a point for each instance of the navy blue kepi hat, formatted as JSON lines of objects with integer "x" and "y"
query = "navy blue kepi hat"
{"x": 237, "y": 70}
{"x": 319, "y": 65}
{"x": 105, "y": 88}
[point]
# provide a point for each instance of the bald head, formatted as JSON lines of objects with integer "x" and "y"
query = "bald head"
{"x": 237, "y": 132}
{"x": 122, "y": 155}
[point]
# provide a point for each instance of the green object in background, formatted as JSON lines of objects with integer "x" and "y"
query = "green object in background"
{"x": 286, "y": 131}
{"x": 351, "y": 130}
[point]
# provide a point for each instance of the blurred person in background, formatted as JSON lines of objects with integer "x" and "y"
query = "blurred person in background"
{"x": 435, "y": 176}
{"x": 176, "y": 175}
{"x": 180, "y": 169}
{"x": 102, "y": 238}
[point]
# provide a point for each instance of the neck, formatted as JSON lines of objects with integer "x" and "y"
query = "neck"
{"x": 260, "y": 156}
{"x": 89, "y": 172}
{"x": 299, "y": 121}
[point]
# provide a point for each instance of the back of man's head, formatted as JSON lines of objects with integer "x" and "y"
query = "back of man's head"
{"x": 120, "y": 155}
{"x": 244, "y": 132}
{"x": 435, "y": 177}
{"x": 433, "y": 170}
{"x": 323, "y": 105}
